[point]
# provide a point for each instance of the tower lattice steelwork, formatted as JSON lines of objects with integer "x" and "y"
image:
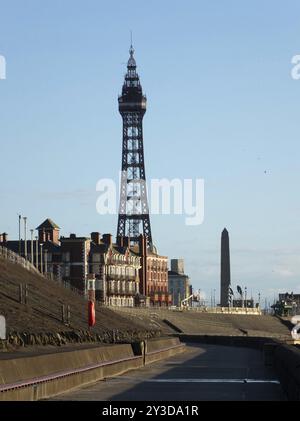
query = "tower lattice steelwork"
{"x": 133, "y": 211}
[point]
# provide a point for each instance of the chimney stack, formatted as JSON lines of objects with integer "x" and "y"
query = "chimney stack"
{"x": 96, "y": 237}
{"x": 120, "y": 241}
{"x": 107, "y": 239}
{"x": 3, "y": 238}
{"x": 126, "y": 242}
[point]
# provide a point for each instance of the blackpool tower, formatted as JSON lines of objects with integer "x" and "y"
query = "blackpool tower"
{"x": 134, "y": 217}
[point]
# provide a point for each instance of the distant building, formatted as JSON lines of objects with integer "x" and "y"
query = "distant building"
{"x": 124, "y": 275}
{"x": 43, "y": 251}
{"x": 72, "y": 259}
{"x": 179, "y": 282}
{"x": 291, "y": 298}
{"x": 287, "y": 304}
{"x": 75, "y": 253}
{"x": 153, "y": 275}
{"x": 117, "y": 270}
{"x": 243, "y": 303}
{"x": 115, "y": 266}
{"x": 48, "y": 231}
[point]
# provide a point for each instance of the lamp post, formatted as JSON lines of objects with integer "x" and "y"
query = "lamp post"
{"x": 31, "y": 231}
{"x": 25, "y": 236}
{"x": 246, "y": 298}
{"x": 46, "y": 261}
{"x": 20, "y": 217}
{"x": 214, "y": 298}
{"x": 41, "y": 251}
{"x": 37, "y": 252}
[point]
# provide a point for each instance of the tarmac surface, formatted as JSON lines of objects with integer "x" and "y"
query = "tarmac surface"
{"x": 202, "y": 373}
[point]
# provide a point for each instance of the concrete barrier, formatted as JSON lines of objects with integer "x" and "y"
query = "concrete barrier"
{"x": 44, "y": 376}
{"x": 158, "y": 349}
{"x": 287, "y": 365}
{"x": 241, "y": 341}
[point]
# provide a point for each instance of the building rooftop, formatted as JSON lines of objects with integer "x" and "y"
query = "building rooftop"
{"x": 172, "y": 273}
{"x": 48, "y": 224}
{"x": 14, "y": 246}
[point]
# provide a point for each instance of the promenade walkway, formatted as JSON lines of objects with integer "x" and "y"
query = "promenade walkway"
{"x": 203, "y": 372}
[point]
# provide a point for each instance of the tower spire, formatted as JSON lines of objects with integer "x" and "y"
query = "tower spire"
{"x": 131, "y": 65}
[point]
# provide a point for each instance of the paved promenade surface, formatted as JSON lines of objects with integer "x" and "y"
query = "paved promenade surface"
{"x": 203, "y": 372}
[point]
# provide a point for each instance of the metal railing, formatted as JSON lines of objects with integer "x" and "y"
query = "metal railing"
{"x": 13, "y": 257}
{"x": 16, "y": 258}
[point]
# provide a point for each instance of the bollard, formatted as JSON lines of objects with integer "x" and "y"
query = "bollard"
{"x": 2, "y": 327}
{"x": 26, "y": 294}
{"x": 21, "y": 293}
{"x": 63, "y": 313}
{"x": 68, "y": 314}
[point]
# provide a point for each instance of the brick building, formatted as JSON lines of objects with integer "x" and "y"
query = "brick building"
{"x": 125, "y": 276}
{"x": 75, "y": 252}
{"x": 71, "y": 259}
{"x": 153, "y": 275}
{"x": 117, "y": 270}
{"x": 43, "y": 250}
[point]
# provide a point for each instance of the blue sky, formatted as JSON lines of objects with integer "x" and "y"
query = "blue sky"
{"x": 222, "y": 106}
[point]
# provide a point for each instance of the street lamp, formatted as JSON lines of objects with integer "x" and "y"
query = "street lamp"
{"x": 37, "y": 252}
{"x": 20, "y": 217}
{"x": 46, "y": 261}
{"x": 25, "y": 236}
{"x": 41, "y": 250}
{"x": 246, "y": 298}
{"x": 31, "y": 231}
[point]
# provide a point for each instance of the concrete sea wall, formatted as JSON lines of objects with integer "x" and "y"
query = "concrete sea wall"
{"x": 47, "y": 375}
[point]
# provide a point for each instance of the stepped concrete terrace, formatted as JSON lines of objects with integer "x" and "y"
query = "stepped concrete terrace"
{"x": 39, "y": 320}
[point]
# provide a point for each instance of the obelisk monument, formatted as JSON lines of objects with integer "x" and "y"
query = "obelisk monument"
{"x": 225, "y": 269}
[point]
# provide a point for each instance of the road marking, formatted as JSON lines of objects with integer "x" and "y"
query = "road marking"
{"x": 212, "y": 381}
{"x": 248, "y": 381}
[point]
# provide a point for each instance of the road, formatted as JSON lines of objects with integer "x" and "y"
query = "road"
{"x": 203, "y": 372}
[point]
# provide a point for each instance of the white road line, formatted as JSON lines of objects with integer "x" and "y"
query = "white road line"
{"x": 247, "y": 381}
